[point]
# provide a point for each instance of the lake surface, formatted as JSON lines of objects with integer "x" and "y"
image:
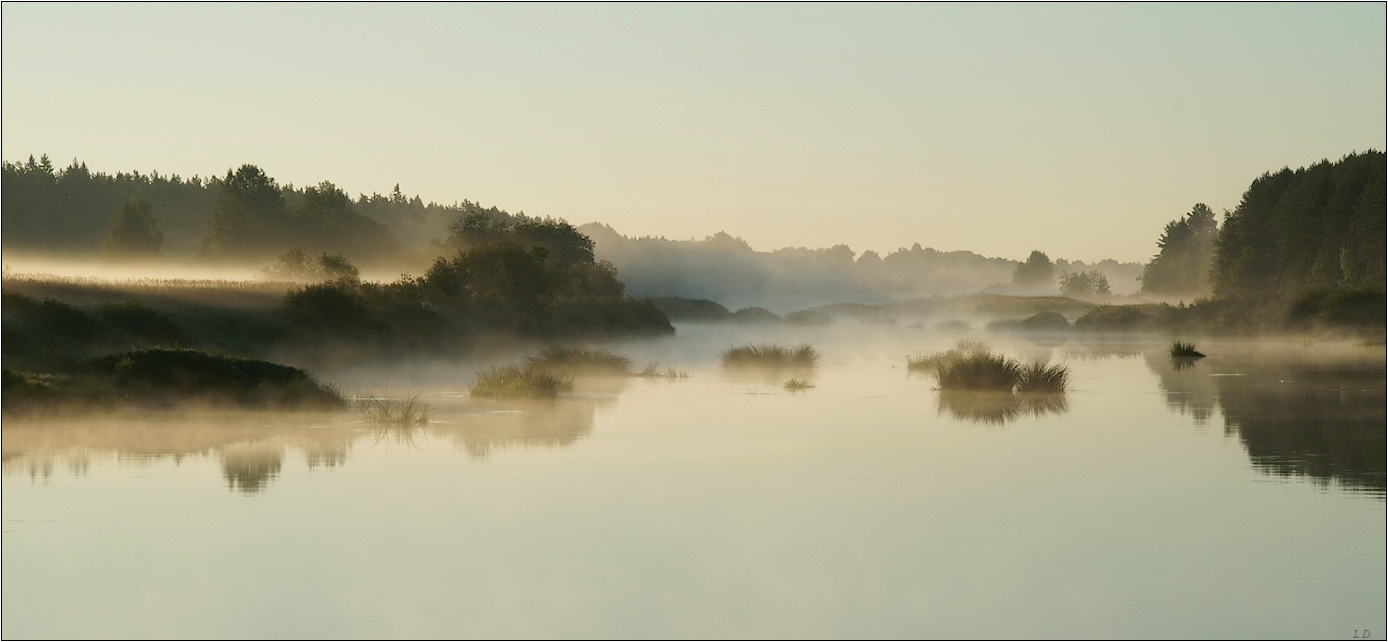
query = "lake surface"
{"x": 1240, "y": 496}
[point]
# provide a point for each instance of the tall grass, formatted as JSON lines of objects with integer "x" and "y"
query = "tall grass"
{"x": 570, "y": 360}
{"x": 1182, "y": 350}
{"x": 979, "y": 371}
{"x": 404, "y": 412}
{"x": 516, "y": 382}
{"x": 654, "y": 371}
{"x": 1039, "y": 377}
{"x": 933, "y": 360}
{"x": 984, "y": 371}
{"x": 772, "y": 355}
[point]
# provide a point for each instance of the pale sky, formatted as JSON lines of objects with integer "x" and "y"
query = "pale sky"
{"x": 1079, "y": 130}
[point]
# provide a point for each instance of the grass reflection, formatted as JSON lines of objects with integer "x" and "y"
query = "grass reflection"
{"x": 998, "y": 408}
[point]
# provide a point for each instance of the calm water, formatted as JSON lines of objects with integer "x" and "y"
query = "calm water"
{"x": 1240, "y": 497}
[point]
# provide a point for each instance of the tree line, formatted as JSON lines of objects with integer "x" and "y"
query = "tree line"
{"x": 1316, "y": 228}
{"x": 243, "y": 215}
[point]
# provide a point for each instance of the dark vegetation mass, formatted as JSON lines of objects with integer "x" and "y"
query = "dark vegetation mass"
{"x": 167, "y": 377}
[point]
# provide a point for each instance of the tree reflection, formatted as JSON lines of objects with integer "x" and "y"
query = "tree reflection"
{"x": 1299, "y": 412}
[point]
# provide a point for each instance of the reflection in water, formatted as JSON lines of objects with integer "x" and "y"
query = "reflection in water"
{"x": 1298, "y": 412}
{"x": 250, "y": 467}
{"x": 252, "y": 446}
{"x": 547, "y": 423}
{"x": 999, "y": 407}
{"x": 775, "y": 377}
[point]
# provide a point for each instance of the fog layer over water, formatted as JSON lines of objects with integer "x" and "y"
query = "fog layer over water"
{"x": 1238, "y": 496}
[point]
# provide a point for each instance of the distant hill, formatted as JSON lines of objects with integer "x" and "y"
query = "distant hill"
{"x": 726, "y": 269}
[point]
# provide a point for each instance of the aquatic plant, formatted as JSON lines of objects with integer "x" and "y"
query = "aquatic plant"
{"x": 1039, "y": 377}
{"x": 569, "y": 360}
{"x": 933, "y": 360}
{"x": 770, "y": 356}
{"x": 798, "y": 385}
{"x": 516, "y": 382}
{"x": 654, "y": 371}
{"x": 1182, "y": 350}
{"x": 406, "y": 412}
{"x": 979, "y": 371}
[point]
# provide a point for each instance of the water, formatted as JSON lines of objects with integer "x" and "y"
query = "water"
{"x": 1239, "y": 497}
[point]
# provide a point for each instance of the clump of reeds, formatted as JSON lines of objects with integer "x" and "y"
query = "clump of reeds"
{"x": 579, "y": 360}
{"x": 933, "y": 360}
{"x": 405, "y": 412}
{"x": 654, "y": 371}
{"x": 516, "y": 382}
{"x": 980, "y": 369}
{"x": 1039, "y": 377}
{"x": 798, "y": 384}
{"x": 1182, "y": 350}
{"x": 771, "y": 356}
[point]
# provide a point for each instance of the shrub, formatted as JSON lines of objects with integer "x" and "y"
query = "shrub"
{"x": 515, "y": 382}
{"x": 770, "y": 356}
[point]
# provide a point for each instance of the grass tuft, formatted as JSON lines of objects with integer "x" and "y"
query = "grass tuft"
{"x": 404, "y": 412}
{"x": 516, "y": 382}
{"x": 654, "y": 371}
{"x": 1182, "y": 350}
{"x": 932, "y": 361}
{"x": 772, "y": 355}
{"x": 798, "y": 384}
{"x": 979, "y": 371}
{"x": 1039, "y": 377}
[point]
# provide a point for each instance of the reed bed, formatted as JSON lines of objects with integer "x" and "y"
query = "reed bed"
{"x": 516, "y": 382}
{"x": 772, "y": 355}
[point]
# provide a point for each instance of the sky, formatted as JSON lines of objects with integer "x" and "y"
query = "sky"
{"x": 1075, "y": 129}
